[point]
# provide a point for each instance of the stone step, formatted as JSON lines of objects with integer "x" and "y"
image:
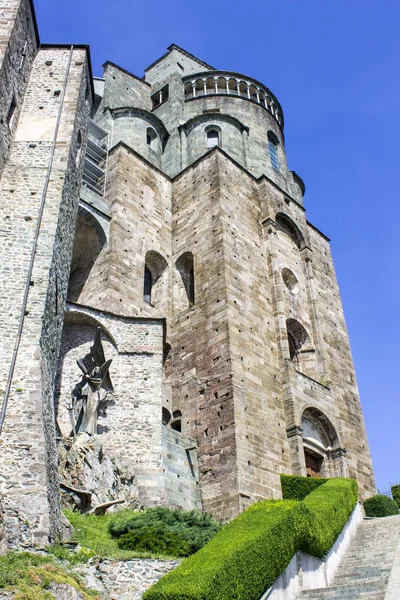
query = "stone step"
{"x": 365, "y": 569}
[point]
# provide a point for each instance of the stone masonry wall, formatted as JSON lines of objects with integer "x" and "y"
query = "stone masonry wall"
{"x": 28, "y": 470}
{"x": 18, "y": 47}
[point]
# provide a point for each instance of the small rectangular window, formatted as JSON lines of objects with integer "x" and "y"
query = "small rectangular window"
{"x": 273, "y": 151}
{"x": 11, "y": 112}
{"x": 160, "y": 97}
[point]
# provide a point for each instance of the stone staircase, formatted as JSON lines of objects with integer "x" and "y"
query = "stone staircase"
{"x": 364, "y": 572}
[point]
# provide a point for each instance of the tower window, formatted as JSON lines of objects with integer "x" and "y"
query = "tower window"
{"x": 148, "y": 283}
{"x": 273, "y": 152}
{"x": 160, "y": 97}
{"x": 152, "y": 139}
{"x": 212, "y": 138}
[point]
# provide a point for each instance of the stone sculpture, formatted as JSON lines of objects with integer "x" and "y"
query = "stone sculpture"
{"x": 87, "y": 394}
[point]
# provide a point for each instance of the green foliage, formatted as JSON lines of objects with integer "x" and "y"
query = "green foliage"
{"x": 297, "y": 488}
{"x": 31, "y": 575}
{"x": 178, "y": 532}
{"x": 380, "y": 506}
{"x": 74, "y": 558}
{"x": 330, "y": 506}
{"x": 91, "y": 532}
{"x": 148, "y": 539}
{"x": 396, "y": 494}
{"x": 248, "y": 554}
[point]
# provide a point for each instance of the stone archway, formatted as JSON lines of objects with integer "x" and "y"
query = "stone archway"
{"x": 323, "y": 456}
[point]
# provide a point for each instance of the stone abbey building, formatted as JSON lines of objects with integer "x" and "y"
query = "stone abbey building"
{"x": 171, "y": 325}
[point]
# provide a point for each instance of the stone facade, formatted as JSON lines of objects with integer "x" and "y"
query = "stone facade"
{"x": 162, "y": 212}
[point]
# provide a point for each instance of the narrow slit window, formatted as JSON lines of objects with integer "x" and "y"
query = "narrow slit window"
{"x": 148, "y": 282}
{"x": 212, "y": 138}
{"x": 273, "y": 152}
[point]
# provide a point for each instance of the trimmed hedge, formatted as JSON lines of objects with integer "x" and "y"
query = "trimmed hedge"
{"x": 249, "y": 553}
{"x": 297, "y": 488}
{"x": 330, "y": 506}
{"x": 380, "y": 506}
{"x": 396, "y": 494}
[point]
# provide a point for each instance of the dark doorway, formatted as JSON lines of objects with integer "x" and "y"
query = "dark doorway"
{"x": 313, "y": 464}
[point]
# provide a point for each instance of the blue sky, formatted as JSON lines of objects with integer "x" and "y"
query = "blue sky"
{"x": 334, "y": 66}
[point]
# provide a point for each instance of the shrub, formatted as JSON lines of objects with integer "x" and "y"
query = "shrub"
{"x": 192, "y": 527}
{"x": 150, "y": 539}
{"x": 330, "y": 506}
{"x": 243, "y": 560}
{"x": 396, "y": 494}
{"x": 380, "y": 506}
{"x": 297, "y": 488}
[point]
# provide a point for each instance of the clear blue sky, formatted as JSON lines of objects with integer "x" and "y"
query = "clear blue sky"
{"x": 334, "y": 66}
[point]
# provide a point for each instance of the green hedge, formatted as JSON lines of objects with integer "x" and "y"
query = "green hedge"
{"x": 330, "y": 506}
{"x": 380, "y": 506}
{"x": 297, "y": 488}
{"x": 396, "y": 494}
{"x": 249, "y": 553}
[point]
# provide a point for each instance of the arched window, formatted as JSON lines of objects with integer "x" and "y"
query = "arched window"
{"x": 297, "y": 336}
{"x": 148, "y": 281}
{"x": 285, "y": 224}
{"x": 176, "y": 422}
{"x": 152, "y": 139}
{"x": 212, "y": 138}
{"x": 154, "y": 279}
{"x": 185, "y": 266}
{"x": 273, "y": 151}
{"x": 166, "y": 416}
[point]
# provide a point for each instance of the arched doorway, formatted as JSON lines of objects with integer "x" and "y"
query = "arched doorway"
{"x": 322, "y": 453}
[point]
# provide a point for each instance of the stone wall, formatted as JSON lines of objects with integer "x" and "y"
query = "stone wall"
{"x": 125, "y": 580}
{"x": 18, "y": 46}
{"x": 41, "y": 180}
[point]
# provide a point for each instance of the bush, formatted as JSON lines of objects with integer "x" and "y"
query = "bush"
{"x": 188, "y": 530}
{"x": 380, "y": 506}
{"x": 330, "y": 506}
{"x": 297, "y": 488}
{"x": 247, "y": 555}
{"x": 149, "y": 539}
{"x": 396, "y": 494}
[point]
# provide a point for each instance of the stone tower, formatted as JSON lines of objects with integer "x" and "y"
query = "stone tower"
{"x": 169, "y": 221}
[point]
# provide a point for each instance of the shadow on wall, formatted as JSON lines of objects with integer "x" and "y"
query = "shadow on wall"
{"x": 90, "y": 240}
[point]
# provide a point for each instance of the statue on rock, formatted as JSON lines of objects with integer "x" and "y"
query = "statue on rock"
{"x": 88, "y": 394}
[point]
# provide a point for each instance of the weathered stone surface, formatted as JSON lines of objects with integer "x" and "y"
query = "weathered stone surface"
{"x": 83, "y": 464}
{"x": 239, "y": 341}
{"x": 125, "y": 580}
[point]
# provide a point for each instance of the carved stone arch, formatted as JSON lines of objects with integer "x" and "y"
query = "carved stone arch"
{"x": 323, "y": 454}
{"x": 90, "y": 241}
{"x": 288, "y": 226}
{"x": 213, "y": 117}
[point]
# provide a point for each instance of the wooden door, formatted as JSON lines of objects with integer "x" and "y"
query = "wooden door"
{"x": 313, "y": 465}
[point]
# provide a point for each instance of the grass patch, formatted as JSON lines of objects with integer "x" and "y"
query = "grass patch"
{"x": 31, "y": 577}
